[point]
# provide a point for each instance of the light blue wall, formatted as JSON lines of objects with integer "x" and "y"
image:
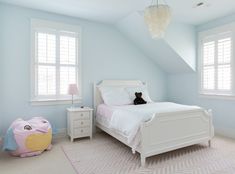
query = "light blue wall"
{"x": 1, "y": 75}
{"x": 106, "y": 54}
{"x": 182, "y": 38}
{"x": 183, "y": 88}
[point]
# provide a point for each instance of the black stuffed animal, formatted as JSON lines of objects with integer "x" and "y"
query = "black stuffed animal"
{"x": 139, "y": 100}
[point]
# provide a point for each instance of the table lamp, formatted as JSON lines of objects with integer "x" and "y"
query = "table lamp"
{"x": 72, "y": 90}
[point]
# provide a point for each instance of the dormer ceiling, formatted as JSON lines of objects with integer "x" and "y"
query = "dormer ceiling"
{"x": 112, "y": 11}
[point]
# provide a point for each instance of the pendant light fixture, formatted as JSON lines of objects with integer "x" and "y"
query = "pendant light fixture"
{"x": 157, "y": 17}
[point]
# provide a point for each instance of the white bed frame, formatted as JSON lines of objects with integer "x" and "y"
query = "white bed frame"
{"x": 164, "y": 132}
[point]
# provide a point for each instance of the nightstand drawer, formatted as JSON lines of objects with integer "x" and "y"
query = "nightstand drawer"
{"x": 81, "y": 131}
{"x": 81, "y": 115}
{"x": 81, "y": 123}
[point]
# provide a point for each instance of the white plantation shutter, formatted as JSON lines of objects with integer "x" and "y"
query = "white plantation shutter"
{"x": 67, "y": 50}
{"x": 209, "y": 77}
{"x": 209, "y": 65}
{"x": 224, "y": 64}
{"x": 68, "y": 62}
{"x": 55, "y": 63}
{"x": 224, "y": 50}
{"x": 46, "y": 48}
{"x": 224, "y": 77}
{"x": 209, "y": 53}
{"x": 67, "y": 76}
{"x": 46, "y": 80}
{"x": 217, "y": 64}
{"x": 45, "y": 64}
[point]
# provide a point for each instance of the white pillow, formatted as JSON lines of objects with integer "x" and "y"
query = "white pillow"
{"x": 143, "y": 89}
{"x": 115, "y": 96}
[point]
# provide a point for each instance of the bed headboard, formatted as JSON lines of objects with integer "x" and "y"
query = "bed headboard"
{"x": 119, "y": 83}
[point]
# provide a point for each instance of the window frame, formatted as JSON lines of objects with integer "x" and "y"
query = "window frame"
{"x": 214, "y": 35}
{"x": 38, "y": 25}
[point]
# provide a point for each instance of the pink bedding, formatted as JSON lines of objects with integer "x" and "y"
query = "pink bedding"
{"x": 104, "y": 114}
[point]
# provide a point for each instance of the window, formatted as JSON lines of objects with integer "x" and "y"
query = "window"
{"x": 55, "y": 60}
{"x": 216, "y": 62}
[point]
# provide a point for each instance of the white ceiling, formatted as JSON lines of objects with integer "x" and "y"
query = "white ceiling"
{"x": 111, "y": 11}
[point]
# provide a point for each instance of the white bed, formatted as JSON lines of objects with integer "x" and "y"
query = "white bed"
{"x": 171, "y": 127}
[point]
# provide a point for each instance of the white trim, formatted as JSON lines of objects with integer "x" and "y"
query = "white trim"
{"x": 40, "y": 24}
{"x": 54, "y": 102}
{"x": 56, "y": 28}
{"x": 61, "y": 133}
{"x": 213, "y": 35}
{"x": 217, "y": 96}
{"x": 225, "y": 132}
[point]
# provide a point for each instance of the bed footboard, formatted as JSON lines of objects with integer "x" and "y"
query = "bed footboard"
{"x": 170, "y": 131}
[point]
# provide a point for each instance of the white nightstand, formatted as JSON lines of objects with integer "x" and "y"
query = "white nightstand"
{"x": 79, "y": 122}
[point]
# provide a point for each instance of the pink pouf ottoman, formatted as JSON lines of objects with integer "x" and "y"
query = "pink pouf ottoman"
{"x": 28, "y": 138}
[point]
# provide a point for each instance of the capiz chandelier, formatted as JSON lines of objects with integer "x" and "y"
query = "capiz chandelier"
{"x": 157, "y": 17}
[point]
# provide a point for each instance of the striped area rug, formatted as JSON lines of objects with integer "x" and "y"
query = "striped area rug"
{"x": 106, "y": 155}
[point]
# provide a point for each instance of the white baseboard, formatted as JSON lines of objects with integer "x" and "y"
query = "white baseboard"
{"x": 61, "y": 133}
{"x": 225, "y": 132}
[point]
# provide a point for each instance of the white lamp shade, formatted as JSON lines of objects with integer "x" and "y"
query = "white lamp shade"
{"x": 157, "y": 18}
{"x": 73, "y": 89}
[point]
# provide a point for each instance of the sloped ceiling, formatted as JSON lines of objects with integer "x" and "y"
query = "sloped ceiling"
{"x": 176, "y": 53}
{"x": 159, "y": 50}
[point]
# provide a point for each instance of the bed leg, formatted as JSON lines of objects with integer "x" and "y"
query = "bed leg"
{"x": 209, "y": 143}
{"x": 143, "y": 160}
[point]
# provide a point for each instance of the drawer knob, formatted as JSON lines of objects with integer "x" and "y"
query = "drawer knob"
{"x": 82, "y": 122}
{"x": 82, "y": 130}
